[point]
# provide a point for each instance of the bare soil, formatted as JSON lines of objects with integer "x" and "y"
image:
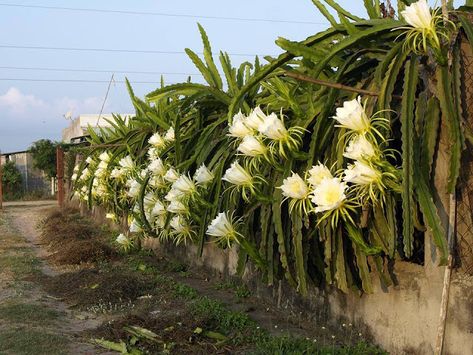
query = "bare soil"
{"x": 68, "y": 272}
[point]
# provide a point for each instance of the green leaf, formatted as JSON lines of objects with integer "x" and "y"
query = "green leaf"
{"x": 356, "y": 236}
{"x": 431, "y": 217}
{"x": 212, "y": 68}
{"x": 430, "y": 135}
{"x": 363, "y": 269}
{"x": 451, "y": 116}
{"x": 299, "y": 253}
{"x": 326, "y": 13}
{"x": 407, "y": 132}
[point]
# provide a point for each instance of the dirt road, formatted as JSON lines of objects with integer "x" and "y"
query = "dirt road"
{"x": 31, "y": 321}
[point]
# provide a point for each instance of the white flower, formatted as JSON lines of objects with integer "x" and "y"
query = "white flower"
{"x": 173, "y": 195}
{"x": 177, "y": 207}
{"x": 89, "y": 160}
{"x": 418, "y": 15}
{"x": 295, "y": 187}
{"x": 255, "y": 119}
{"x": 135, "y": 227}
{"x": 105, "y": 157}
{"x": 74, "y": 177}
{"x": 237, "y": 175}
{"x": 102, "y": 165}
{"x": 359, "y": 148}
{"x": 221, "y": 226}
{"x": 157, "y": 167}
{"x": 170, "y": 136}
{"x": 184, "y": 184}
{"x": 117, "y": 173}
{"x": 126, "y": 163}
{"x": 273, "y": 128}
{"x": 203, "y": 175}
{"x": 329, "y": 195}
{"x": 76, "y": 168}
{"x": 153, "y": 153}
{"x": 85, "y": 174}
{"x": 353, "y": 116}
{"x": 180, "y": 225}
{"x": 252, "y": 147}
{"x": 149, "y": 201}
{"x": 156, "y": 181}
{"x": 110, "y": 216}
{"x": 156, "y": 140}
{"x": 318, "y": 173}
{"x": 171, "y": 175}
{"x": 238, "y": 128}
{"x": 160, "y": 221}
{"x": 122, "y": 240}
{"x": 361, "y": 173}
{"x": 135, "y": 187}
{"x": 158, "y": 209}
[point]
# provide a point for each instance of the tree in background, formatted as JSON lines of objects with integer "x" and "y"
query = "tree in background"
{"x": 11, "y": 180}
{"x": 44, "y": 156}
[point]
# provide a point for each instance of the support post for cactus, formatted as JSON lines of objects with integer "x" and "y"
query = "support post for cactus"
{"x": 60, "y": 176}
{"x": 447, "y": 276}
{"x": 444, "y": 10}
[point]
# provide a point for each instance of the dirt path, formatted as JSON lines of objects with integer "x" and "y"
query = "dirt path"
{"x": 31, "y": 321}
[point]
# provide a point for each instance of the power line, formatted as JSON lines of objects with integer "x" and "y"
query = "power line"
{"x": 97, "y": 71}
{"x": 115, "y": 50}
{"x": 44, "y": 7}
{"x": 82, "y": 81}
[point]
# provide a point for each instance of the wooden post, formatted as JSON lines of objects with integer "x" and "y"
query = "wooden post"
{"x": 60, "y": 176}
{"x": 1, "y": 183}
{"x": 447, "y": 277}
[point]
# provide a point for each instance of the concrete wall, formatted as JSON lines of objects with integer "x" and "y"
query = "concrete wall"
{"x": 32, "y": 179}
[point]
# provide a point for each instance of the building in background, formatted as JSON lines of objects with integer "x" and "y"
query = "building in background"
{"x": 33, "y": 180}
{"x": 77, "y": 130}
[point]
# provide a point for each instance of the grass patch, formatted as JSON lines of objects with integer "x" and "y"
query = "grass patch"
{"x": 28, "y": 341}
{"x": 27, "y": 313}
{"x": 21, "y": 265}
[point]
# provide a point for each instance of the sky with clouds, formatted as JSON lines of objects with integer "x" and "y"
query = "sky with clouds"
{"x": 31, "y": 110}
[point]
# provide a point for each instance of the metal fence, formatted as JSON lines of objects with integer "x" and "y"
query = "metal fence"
{"x": 464, "y": 218}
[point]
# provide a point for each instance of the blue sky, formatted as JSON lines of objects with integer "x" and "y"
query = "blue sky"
{"x": 33, "y": 110}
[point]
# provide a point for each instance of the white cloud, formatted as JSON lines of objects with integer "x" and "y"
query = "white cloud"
{"x": 16, "y": 103}
{"x": 25, "y": 117}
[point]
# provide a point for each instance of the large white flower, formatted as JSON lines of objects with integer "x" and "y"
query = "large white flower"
{"x": 123, "y": 240}
{"x": 329, "y": 195}
{"x": 134, "y": 188}
{"x": 273, "y": 128}
{"x": 104, "y": 157}
{"x": 180, "y": 225}
{"x": 353, "y": 116}
{"x": 222, "y": 226}
{"x": 153, "y": 153}
{"x": 126, "y": 163}
{"x": 102, "y": 165}
{"x": 158, "y": 209}
{"x": 74, "y": 177}
{"x": 359, "y": 148}
{"x": 156, "y": 181}
{"x": 170, "y": 135}
{"x": 318, "y": 173}
{"x": 117, "y": 173}
{"x": 85, "y": 174}
{"x": 89, "y": 160}
{"x": 156, "y": 140}
{"x": 157, "y": 167}
{"x": 203, "y": 175}
{"x": 171, "y": 175}
{"x": 184, "y": 184}
{"x": 418, "y": 15}
{"x": 177, "y": 207}
{"x": 237, "y": 175}
{"x": 361, "y": 173}
{"x": 149, "y": 200}
{"x": 238, "y": 128}
{"x": 135, "y": 227}
{"x": 252, "y": 147}
{"x": 255, "y": 119}
{"x": 295, "y": 187}
{"x": 173, "y": 195}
